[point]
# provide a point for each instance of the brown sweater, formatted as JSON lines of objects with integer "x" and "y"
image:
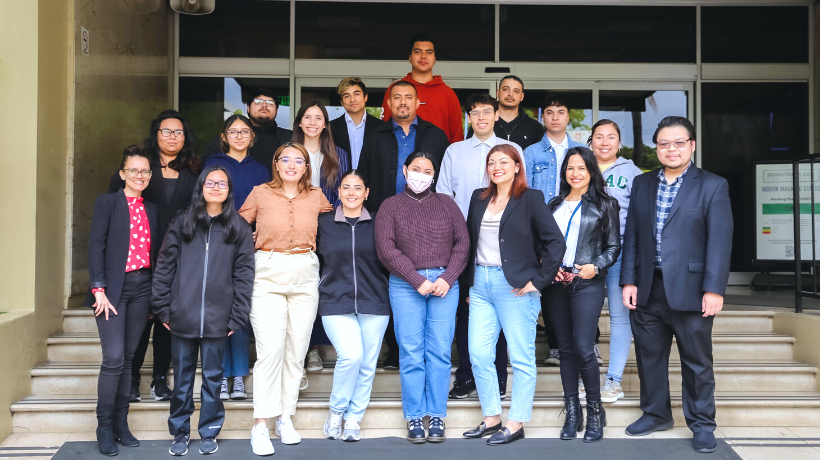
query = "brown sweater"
{"x": 282, "y": 222}
{"x": 416, "y": 232}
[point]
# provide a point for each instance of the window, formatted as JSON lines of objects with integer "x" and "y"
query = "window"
{"x": 561, "y": 33}
{"x": 208, "y": 102}
{"x": 744, "y": 123}
{"x": 342, "y": 30}
{"x": 237, "y": 28}
{"x": 755, "y": 34}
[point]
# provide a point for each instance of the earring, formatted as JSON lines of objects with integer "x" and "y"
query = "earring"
{"x": 365, "y": 198}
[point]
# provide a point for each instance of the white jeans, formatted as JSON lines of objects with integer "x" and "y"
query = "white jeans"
{"x": 283, "y": 308}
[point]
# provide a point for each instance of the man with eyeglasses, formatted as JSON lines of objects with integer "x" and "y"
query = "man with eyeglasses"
{"x": 262, "y": 108}
{"x": 463, "y": 170}
{"x": 674, "y": 270}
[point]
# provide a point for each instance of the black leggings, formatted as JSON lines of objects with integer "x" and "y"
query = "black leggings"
{"x": 574, "y": 310}
{"x": 119, "y": 336}
{"x": 162, "y": 349}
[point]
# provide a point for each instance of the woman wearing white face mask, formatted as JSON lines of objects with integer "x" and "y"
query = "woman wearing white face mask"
{"x": 422, "y": 239}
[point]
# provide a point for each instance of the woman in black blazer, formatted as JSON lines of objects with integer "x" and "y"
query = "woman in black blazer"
{"x": 171, "y": 147}
{"x": 121, "y": 253}
{"x": 515, "y": 251}
{"x": 588, "y": 218}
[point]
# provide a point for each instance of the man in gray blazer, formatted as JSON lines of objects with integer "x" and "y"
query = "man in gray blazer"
{"x": 675, "y": 266}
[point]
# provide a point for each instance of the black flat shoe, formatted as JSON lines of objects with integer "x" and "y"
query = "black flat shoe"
{"x": 435, "y": 432}
{"x": 704, "y": 442}
{"x": 505, "y": 437}
{"x": 645, "y": 426}
{"x": 482, "y": 430}
{"x": 415, "y": 431}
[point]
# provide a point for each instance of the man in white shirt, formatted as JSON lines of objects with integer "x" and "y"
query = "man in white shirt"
{"x": 350, "y": 129}
{"x": 463, "y": 170}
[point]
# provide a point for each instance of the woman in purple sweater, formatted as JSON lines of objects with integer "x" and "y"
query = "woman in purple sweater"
{"x": 422, "y": 239}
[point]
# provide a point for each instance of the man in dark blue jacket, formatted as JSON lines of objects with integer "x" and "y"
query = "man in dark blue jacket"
{"x": 675, "y": 266}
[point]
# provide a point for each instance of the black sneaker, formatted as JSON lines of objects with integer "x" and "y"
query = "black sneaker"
{"x": 180, "y": 445}
{"x": 502, "y": 389}
{"x": 135, "y": 389}
{"x": 463, "y": 390}
{"x": 435, "y": 432}
{"x": 208, "y": 446}
{"x": 391, "y": 362}
{"x": 159, "y": 389}
{"x": 415, "y": 431}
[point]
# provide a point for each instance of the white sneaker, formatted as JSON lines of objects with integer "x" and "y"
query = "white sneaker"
{"x": 582, "y": 392}
{"x": 260, "y": 440}
{"x": 598, "y": 355}
{"x": 314, "y": 362}
{"x": 303, "y": 384}
{"x": 554, "y": 358}
{"x": 284, "y": 429}
{"x": 333, "y": 424}
{"x": 351, "y": 433}
{"x": 611, "y": 391}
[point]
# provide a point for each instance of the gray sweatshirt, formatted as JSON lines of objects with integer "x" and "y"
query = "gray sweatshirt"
{"x": 618, "y": 178}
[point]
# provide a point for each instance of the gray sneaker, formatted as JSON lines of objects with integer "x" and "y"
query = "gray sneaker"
{"x": 351, "y": 433}
{"x": 223, "y": 390}
{"x": 208, "y": 446}
{"x": 611, "y": 391}
{"x": 333, "y": 424}
{"x": 598, "y": 355}
{"x": 238, "y": 391}
{"x": 554, "y": 359}
{"x": 180, "y": 445}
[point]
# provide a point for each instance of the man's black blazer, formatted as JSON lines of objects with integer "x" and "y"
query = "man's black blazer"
{"x": 380, "y": 158}
{"x": 696, "y": 243}
{"x": 109, "y": 243}
{"x": 532, "y": 246}
{"x": 338, "y": 129}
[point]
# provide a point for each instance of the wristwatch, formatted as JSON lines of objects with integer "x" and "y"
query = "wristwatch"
{"x": 597, "y": 270}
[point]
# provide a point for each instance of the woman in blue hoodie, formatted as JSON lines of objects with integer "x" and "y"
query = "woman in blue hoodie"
{"x": 618, "y": 172}
{"x": 246, "y": 173}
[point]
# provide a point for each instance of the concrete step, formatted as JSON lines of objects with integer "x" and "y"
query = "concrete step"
{"x": 82, "y": 320}
{"x": 36, "y": 414}
{"x": 85, "y": 347}
{"x": 81, "y": 378}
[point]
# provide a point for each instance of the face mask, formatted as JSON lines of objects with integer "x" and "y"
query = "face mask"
{"x": 418, "y": 182}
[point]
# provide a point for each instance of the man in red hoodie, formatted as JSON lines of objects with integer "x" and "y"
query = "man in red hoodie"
{"x": 439, "y": 103}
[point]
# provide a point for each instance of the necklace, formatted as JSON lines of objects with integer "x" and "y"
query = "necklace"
{"x": 419, "y": 200}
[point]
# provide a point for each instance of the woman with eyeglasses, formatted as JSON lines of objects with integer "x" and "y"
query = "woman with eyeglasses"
{"x": 286, "y": 289}
{"x": 246, "y": 173}
{"x": 171, "y": 147}
{"x": 121, "y": 253}
{"x": 588, "y": 218}
{"x": 203, "y": 283}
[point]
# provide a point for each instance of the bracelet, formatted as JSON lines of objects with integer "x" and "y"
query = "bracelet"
{"x": 96, "y": 290}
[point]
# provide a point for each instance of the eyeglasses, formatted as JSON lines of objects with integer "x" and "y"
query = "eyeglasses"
{"x": 267, "y": 102}
{"x": 138, "y": 172}
{"x": 678, "y": 144}
{"x": 233, "y": 134}
{"x": 176, "y": 132}
{"x": 287, "y": 160}
{"x": 211, "y": 184}
{"x": 485, "y": 112}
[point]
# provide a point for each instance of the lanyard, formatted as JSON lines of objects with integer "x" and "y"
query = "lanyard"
{"x": 566, "y": 235}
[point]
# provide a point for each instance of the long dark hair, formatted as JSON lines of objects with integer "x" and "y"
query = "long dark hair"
{"x": 196, "y": 215}
{"x": 187, "y": 158}
{"x": 330, "y": 162}
{"x": 597, "y": 187}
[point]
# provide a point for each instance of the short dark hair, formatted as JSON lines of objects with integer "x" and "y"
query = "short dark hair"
{"x": 402, "y": 83}
{"x": 480, "y": 98}
{"x": 673, "y": 121}
{"x": 421, "y": 37}
{"x": 254, "y": 93}
{"x": 133, "y": 151}
{"x": 421, "y": 154}
{"x": 555, "y": 100}
{"x": 512, "y": 77}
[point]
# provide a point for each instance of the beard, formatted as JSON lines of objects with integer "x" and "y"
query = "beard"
{"x": 506, "y": 106}
{"x": 402, "y": 115}
{"x": 265, "y": 119}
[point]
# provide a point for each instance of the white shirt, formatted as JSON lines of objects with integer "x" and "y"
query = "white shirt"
{"x": 488, "y": 251}
{"x": 356, "y": 134}
{"x": 560, "y": 152}
{"x": 463, "y": 168}
{"x": 316, "y": 167}
{"x": 562, "y": 217}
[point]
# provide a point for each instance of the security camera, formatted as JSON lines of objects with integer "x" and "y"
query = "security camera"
{"x": 193, "y": 6}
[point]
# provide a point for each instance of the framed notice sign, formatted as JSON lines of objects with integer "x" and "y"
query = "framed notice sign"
{"x": 774, "y": 210}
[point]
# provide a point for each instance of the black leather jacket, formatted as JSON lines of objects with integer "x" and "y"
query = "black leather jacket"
{"x": 594, "y": 246}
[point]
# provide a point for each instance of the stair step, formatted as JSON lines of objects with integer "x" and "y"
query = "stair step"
{"x": 36, "y": 414}
{"x": 81, "y": 378}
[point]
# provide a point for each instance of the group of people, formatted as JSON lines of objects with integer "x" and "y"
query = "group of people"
{"x": 358, "y": 231}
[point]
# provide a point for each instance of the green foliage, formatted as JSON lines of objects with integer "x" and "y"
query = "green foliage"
{"x": 650, "y": 157}
{"x": 374, "y": 111}
{"x": 237, "y": 112}
{"x": 576, "y": 117}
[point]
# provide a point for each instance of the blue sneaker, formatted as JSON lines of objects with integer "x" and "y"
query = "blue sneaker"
{"x": 180, "y": 445}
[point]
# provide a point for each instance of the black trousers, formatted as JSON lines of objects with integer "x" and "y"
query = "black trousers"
{"x": 653, "y": 327}
{"x": 552, "y": 340}
{"x": 574, "y": 309}
{"x": 464, "y": 371}
{"x": 162, "y": 349}
{"x": 119, "y": 337}
{"x": 184, "y": 354}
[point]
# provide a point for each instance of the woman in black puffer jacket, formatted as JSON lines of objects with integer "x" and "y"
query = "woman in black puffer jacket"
{"x": 202, "y": 290}
{"x": 353, "y": 302}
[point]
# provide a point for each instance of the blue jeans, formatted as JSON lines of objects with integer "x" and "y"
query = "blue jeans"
{"x": 424, "y": 326}
{"x": 357, "y": 339}
{"x": 493, "y": 308}
{"x": 620, "y": 330}
{"x": 235, "y": 360}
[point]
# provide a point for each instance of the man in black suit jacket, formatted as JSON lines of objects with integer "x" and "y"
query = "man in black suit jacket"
{"x": 353, "y": 93}
{"x": 675, "y": 266}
